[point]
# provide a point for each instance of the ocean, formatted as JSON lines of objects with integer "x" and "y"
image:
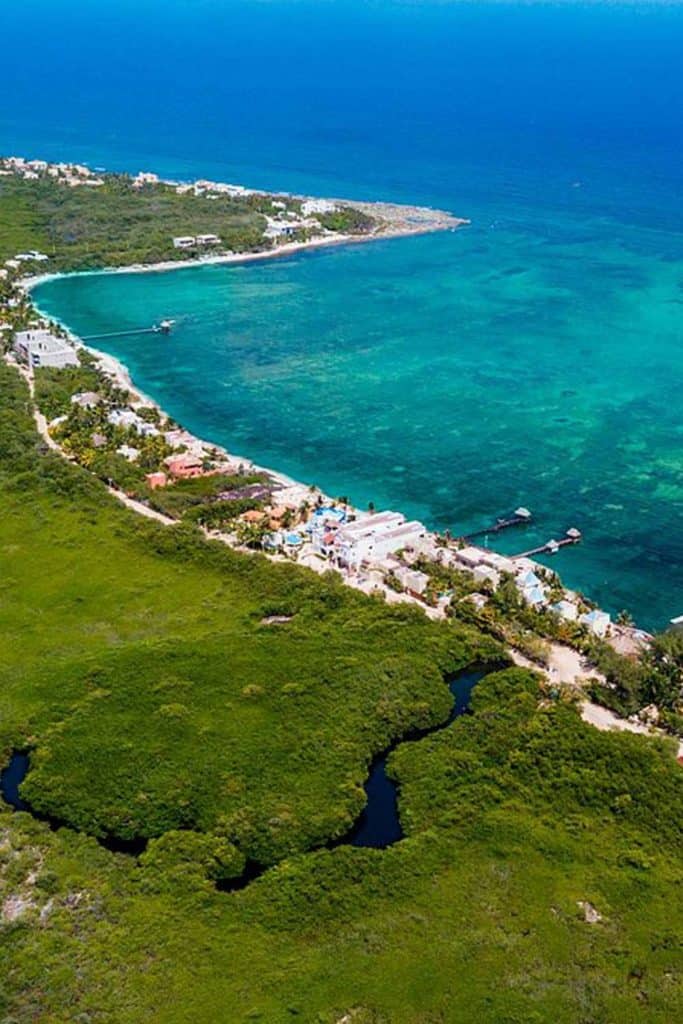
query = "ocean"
{"x": 532, "y": 358}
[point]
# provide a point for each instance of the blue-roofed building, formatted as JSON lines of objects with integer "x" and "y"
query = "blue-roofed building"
{"x": 597, "y": 621}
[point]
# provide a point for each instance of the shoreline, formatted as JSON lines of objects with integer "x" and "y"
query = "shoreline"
{"x": 27, "y": 284}
{"x": 574, "y": 676}
{"x": 121, "y": 373}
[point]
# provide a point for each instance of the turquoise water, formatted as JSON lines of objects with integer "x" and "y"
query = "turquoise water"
{"x": 534, "y": 357}
{"x": 451, "y": 376}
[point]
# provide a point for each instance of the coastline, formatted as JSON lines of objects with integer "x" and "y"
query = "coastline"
{"x": 120, "y": 373}
{"x": 27, "y": 284}
{"x": 565, "y": 666}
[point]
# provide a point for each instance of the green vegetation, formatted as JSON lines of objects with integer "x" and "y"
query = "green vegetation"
{"x": 154, "y": 689}
{"x": 655, "y": 679}
{"x": 537, "y": 881}
{"x": 347, "y": 220}
{"x": 115, "y": 225}
{"x": 118, "y": 225}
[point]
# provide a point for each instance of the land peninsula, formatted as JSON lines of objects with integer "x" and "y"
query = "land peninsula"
{"x": 82, "y": 220}
{"x": 184, "y": 688}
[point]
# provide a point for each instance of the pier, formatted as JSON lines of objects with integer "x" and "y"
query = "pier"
{"x": 163, "y": 327}
{"x": 551, "y": 547}
{"x": 520, "y": 517}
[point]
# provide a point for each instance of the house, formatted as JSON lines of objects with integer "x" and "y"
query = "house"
{"x": 130, "y": 419}
{"x": 528, "y": 579}
{"x": 179, "y": 437}
{"x": 534, "y": 596}
{"x": 411, "y": 580}
{"x": 478, "y": 600}
{"x": 407, "y": 535}
{"x": 277, "y": 515}
{"x": 469, "y": 556}
{"x": 310, "y": 206}
{"x": 567, "y": 610}
{"x": 30, "y": 257}
{"x": 128, "y": 452}
{"x": 484, "y": 574}
{"x": 86, "y": 399}
{"x": 145, "y": 178}
{"x": 184, "y": 467}
{"x": 208, "y": 240}
{"x": 278, "y": 229}
{"x": 498, "y": 562}
{"x": 39, "y": 347}
{"x": 596, "y": 621}
{"x": 123, "y": 418}
{"x": 156, "y": 480}
{"x": 254, "y": 515}
{"x": 531, "y": 588}
{"x": 184, "y": 242}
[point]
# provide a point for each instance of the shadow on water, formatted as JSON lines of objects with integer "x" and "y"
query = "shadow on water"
{"x": 378, "y": 825}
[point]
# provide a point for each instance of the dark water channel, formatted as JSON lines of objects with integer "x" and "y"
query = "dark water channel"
{"x": 14, "y": 774}
{"x": 377, "y": 826}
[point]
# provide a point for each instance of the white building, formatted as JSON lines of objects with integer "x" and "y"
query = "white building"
{"x": 412, "y": 580}
{"x": 373, "y": 537}
{"x": 184, "y": 242}
{"x": 567, "y": 610}
{"x": 128, "y": 452}
{"x": 531, "y": 589}
{"x": 86, "y": 399}
{"x": 40, "y": 347}
{"x": 208, "y": 240}
{"x": 596, "y": 621}
{"x": 145, "y": 178}
{"x": 485, "y": 574}
{"x": 498, "y": 562}
{"x": 317, "y": 206}
{"x": 128, "y": 418}
{"x": 469, "y": 557}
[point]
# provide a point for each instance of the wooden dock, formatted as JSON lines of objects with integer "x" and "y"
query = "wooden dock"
{"x": 520, "y": 517}
{"x": 163, "y": 327}
{"x": 551, "y": 547}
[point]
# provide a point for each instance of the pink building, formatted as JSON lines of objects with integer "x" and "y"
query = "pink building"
{"x": 156, "y": 480}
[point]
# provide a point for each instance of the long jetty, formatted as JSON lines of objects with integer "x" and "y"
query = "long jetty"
{"x": 520, "y": 517}
{"x": 551, "y": 547}
{"x": 164, "y": 327}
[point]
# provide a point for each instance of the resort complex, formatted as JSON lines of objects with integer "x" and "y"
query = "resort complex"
{"x": 93, "y": 416}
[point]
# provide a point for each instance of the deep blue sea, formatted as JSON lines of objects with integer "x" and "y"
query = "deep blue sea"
{"x": 533, "y": 357}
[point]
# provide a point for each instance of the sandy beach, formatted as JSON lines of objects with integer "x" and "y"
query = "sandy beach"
{"x": 278, "y": 251}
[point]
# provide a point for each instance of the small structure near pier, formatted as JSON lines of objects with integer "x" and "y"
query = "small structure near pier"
{"x": 551, "y": 547}
{"x": 520, "y": 517}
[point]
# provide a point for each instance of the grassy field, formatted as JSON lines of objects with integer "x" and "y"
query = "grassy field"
{"x": 137, "y": 667}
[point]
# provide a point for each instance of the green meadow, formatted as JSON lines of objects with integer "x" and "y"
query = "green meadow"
{"x": 539, "y": 879}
